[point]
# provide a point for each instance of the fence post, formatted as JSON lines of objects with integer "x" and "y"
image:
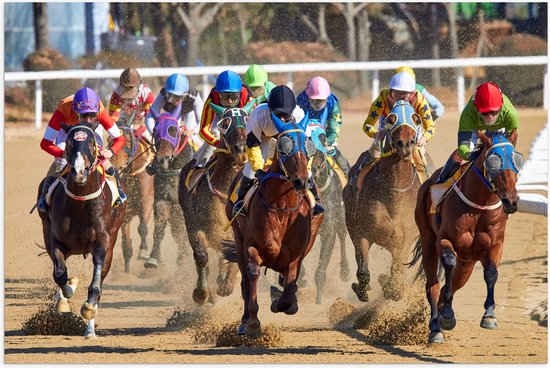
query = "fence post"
{"x": 38, "y": 104}
{"x": 205, "y": 86}
{"x": 545, "y": 89}
{"x": 460, "y": 88}
{"x": 375, "y": 84}
{"x": 290, "y": 81}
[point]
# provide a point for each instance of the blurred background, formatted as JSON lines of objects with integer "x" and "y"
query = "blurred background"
{"x": 59, "y": 36}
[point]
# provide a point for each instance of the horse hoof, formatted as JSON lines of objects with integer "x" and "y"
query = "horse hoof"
{"x": 361, "y": 293}
{"x": 275, "y": 293}
{"x": 241, "y": 329}
{"x": 292, "y": 310}
{"x": 143, "y": 254}
{"x": 436, "y": 337}
{"x": 67, "y": 291}
{"x": 253, "y": 329}
{"x": 224, "y": 291}
{"x": 447, "y": 323}
{"x": 391, "y": 292}
{"x": 91, "y": 337}
{"x": 319, "y": 299}
{"x": 344, "y": 274}
{"x": 383, "y": 279}
{"x": 274, "y": 307}
{"x": 62, "y": 306}
{"x": 88, "y": 311}
{"x": 489, "y": 323}
{"x": 151, "y": 263}
{"x": 200, "y": 296}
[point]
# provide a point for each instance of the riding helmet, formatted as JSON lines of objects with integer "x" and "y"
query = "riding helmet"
{"x": 86, "y": 100}
{"x": 177, "y": 84}
{"x": 281, "y": 99}
{"x": 318, "y": 89}
{"x": 129, "y": 81}
{"x": 406, "y": 69}
{"x": 488, "y": 97}
{"x": 403, "y": 81}
{"x": 255, "y": 76}
{"x": 228, "y": 81}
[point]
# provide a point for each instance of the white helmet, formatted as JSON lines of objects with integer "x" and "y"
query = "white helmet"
{"x": 403, "y": 82}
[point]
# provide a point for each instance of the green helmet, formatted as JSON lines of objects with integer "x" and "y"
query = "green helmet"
{"x": 255, "y": 76}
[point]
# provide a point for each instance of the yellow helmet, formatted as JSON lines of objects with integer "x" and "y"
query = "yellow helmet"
{"x": 405, "y": 69}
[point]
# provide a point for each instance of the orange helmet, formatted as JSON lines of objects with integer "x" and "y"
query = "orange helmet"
{"x": 488, "y": 97}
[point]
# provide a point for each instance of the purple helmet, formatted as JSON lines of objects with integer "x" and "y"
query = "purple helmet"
{"x": 86, "y": 100}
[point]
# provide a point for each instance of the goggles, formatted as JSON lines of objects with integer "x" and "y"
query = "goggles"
{"x": 284, "y": 116}
{"x": 173, "y": 97}
{"x": 86, "y": 105}
{"x": 87, "y": 115}
{"x": 492, "y": 113}
{"x": 317, "y": 104}
{"x": 233, "y": 96}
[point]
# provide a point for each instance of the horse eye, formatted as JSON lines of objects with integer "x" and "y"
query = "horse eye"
{"x": 517, "y": 160}
{"x": 493, "y": 163}
{"x": 310, "y": 147}
{"x": 285, "y": 145}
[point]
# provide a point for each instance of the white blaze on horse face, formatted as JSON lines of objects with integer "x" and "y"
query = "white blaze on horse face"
{"x": 80, "y": 168}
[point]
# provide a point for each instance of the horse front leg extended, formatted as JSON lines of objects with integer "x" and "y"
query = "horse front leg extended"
{"x": 200, "y": 254}
{"x": 162, "y": 211}
{"x": 490, "y": 275}
{"x": 363, "y": 275}
{"x": 328, "y": 238}
{"x": 448, "y": 260}
{"x": 252, "y": 269}
{"x": 287, "y": 302}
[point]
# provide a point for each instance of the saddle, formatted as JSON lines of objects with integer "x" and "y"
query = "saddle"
{"x": 195, "y": 175}
{"x": 338, "y": 171}
{"x": 440, "y": 191}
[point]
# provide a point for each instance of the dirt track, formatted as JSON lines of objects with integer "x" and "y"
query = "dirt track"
{"x": 135, "y": 307}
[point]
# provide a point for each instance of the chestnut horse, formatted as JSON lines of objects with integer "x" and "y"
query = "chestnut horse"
{"x": 203, "y": 204}
{"x": 468, "y": 227}
{"x": 131, "y": 163}
{"x": 280, "y": 228}
{"x": 381, "y": 211}
{"x": 330, "y": 189}
{"x": 173, "y": 150}
{"x": 81, "y": 220}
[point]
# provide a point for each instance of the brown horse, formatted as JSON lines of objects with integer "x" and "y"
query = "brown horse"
{"x": 469, "y": 227}
{"x": 172, "y": 151}
{"x": 279, "y": 230}
{"x": 81, "y": 220}
{"x": 381, "y": 211}
{"x": 330, "y": 189}
{"x": 203, "y": 203}
{"x": 131, "y": 163}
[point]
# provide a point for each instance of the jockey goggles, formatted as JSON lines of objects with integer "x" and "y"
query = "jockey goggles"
{"x": 233, "y": 96}
{"x": 170, "y": 97}
{"x": 87, "y": 115}
{"x": 87, "y": 105}
{"x": 317, "y": 104}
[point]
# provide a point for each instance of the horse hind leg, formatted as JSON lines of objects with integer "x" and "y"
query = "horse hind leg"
{"x": 447, "y": 318}
{"x": 344, "y": 264}
{"x": 200, "y": 254}
{"x": 253, "y": 326}
{"x": 327, "y": 246}
{"x": 161, "y": 214}
{"x": 363, "y": 275}
{"x": 226, "y": 278}
{"x": 490, "y": 275}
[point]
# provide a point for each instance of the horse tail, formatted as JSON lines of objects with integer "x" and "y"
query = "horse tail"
{"x": 417, "y": 255}
{"x": 229, "y": 250}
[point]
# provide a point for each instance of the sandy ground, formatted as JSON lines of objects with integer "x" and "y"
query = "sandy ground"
{"x": 135, "y": 307}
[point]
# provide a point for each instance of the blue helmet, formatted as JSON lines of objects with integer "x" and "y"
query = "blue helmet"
{"x": 86, "y": 100}
{"x": 177, "y": 84}
{"x": 229, "y": 81}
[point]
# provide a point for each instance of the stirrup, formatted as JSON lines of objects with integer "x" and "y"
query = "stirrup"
{"x": 42, "y": 206}
{"x": 318, "y": 209}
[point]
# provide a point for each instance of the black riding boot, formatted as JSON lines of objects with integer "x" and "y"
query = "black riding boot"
{"x": 367, "y": 160}
{"x": 246, "y": 183}
{"x": 318, "y": 206}
{"x": 42, "y": 206}
{"x": 121, "y": 196}
{"x": 448, "y": 170}
{"x": 342, "y": 162}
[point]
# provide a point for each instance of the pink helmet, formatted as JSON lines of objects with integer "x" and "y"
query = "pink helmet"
{"x": 318, "y": 89}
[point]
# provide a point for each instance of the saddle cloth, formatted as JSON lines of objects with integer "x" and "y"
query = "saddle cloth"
{"x": 338, "y": 171}
{"x": 439, "y": 191}
{"x": 195, "y": 175}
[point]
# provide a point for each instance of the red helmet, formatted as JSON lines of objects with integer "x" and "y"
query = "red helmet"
{"x": 488, "y": 97}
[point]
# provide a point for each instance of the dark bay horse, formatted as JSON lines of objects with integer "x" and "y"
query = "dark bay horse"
{"x": 382, "y": 210}
{"x": 468, "y": 228}
{"x": 173, "y": 150}
{"x": 279, "y": 230}
{"x": 130, "y": 163}
{"x": 334, "y": 224}
{"x": 203, "y": 204}
{"x": 81, "y": 220}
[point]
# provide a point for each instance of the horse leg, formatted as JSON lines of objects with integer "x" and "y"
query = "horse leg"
{"x": 162, "y": 211}
{"x": 430, "y": 264}
{"x": 490, "y": 275}
{"x": 226, "y": 278}
{"x": 288, "y": 303}
{"x": 147, "y": 198}
{"x": 179, "y": 233}
{"x": 143, "y": 231}
{"x": 344, "y": 264}
{"x": 200, "y": 254}
{"x": 394, "y": 286}
{"x": 60, "y": 274}
{"x": 61, "y": 303}
{"x": 363, "y": 275}
{"x": 127, "y": 250}
{"x": 446, "y": 313}
{"x": 253, "y": 328}
{"x": 328, "y": 238}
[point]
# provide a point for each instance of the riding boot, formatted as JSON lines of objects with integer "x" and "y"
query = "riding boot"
{"x": 203, "y": 155}
{"x": 42, "y": 206}
{"x": 342, "y": 162}
{"x": 318, "y": 206}
{"x": 121, "y": 196}
{"x": 367, "y": 160}
{"x": 246, "y": 183}
{"x": 448, "y": 170}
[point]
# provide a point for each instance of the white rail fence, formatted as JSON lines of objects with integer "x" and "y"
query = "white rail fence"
{"x": 204, "y": 71}
{"x": 534, "y": 177}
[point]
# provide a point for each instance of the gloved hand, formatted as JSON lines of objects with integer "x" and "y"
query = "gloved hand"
{"x": 151, "y": 169}
{"x": 260, "y": 174}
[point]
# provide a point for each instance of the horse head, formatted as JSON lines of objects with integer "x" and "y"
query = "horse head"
{"x": 81, "y": 152}
{"x": 403, "y": 125}
{"x": 293, "y": 150}
{"x": 232, "y": 128}
{"x": 501, "y": 164}
{"x": 167, "y": 138}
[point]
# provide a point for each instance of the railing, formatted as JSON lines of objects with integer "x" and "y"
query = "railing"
{"x": 374, "y": 66}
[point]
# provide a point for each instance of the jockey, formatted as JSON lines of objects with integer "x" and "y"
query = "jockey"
{"x": 488, "y": 109}
{"x": 82, "y": 107}
{"x": 228, "y": 92}
{"x": 402, "y": 87}
{"x": 435, "y": 105}
{"x": 316, "y": 98}
{"x": 256, "y": 80}
{"x": 131, "y": 100}
{"x": 183, "y": 103}
{"x": 260, "y": 132}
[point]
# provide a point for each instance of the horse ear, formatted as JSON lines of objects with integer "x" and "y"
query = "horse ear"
{"x": 279, "y": 125}
{"x": 513, "y": 136}
{"x": 249, "y": 106}
{"x": 484, "y": 139}
{"x": 223, "y": 125}
{"x": 219, "y": 110}
{"x": 303, "y": 123}
{"x": 416, "y": 119}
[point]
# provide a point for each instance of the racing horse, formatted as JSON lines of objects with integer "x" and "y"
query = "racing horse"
{"x": 330, "y": 189}
{"x": 203, "y": 201}
{"x": 468, "y": 227}
{"x": 280, "y": 228}
{"x": 130, "y": 163}
{"x": 173, "y": 150}
{"x": 380, "y": 209}
{"x": 81, "y": 220}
